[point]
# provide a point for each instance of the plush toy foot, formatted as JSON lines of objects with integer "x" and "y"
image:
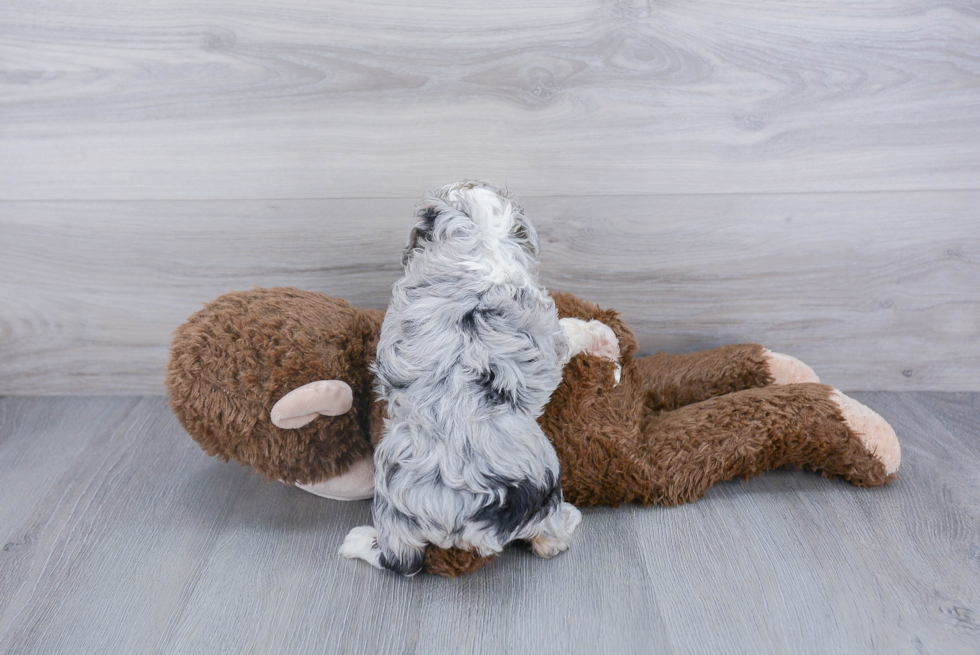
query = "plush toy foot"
{"x": 356, "y": 484}
{"x": 874, "y": 431}
{"x": 786, "y": 369}
{"x": 320, "y": 398}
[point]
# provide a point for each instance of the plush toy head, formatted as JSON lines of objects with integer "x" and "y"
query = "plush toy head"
{"x": 231, "y": 362}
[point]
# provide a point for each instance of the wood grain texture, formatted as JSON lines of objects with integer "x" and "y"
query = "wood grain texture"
{"x": 228, "y": 99}
{"x": 122, "y": 537}
{"x": 875, "y": 290}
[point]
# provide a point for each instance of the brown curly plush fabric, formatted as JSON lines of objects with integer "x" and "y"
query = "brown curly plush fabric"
{"x": 231, "y": 361}
{"x": 674, "y": 426}
{"x": 618, "y": 443}
{"x": 672, "y": 381}
{"x": 742, "y": 434}
{"x": 453, "y": 562}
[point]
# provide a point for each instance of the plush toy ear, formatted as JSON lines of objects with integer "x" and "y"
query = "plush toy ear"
{"x": 421, "y": 233}
{"x": 305, "y": 403}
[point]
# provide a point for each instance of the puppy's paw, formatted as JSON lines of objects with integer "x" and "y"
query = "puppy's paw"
{"x": 590, "y": 337}
{"x": 572, "y": 517}
{"x": 362, "y": 543}
{"x": 547, "y": 546}
{"x": 602, "y": 341}
{"x": 552, "y": 542}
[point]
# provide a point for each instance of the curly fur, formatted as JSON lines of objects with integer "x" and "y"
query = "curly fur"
{"x": 470, "y": 351}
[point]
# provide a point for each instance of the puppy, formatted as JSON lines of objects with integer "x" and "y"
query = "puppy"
{"x": 470, "y": 351}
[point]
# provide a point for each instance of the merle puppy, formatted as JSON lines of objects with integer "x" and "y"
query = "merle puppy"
{"x": 470, "y": 351}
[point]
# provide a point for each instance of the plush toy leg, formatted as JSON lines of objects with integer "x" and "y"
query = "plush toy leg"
{"x": 678, "y": 455}
{"x": 739, "y": 435}
{"x": 305, "y": 403}
{"x": 786, "y": 369}
{"x": 672, "y": 381}
{"x": 874, "y": 431}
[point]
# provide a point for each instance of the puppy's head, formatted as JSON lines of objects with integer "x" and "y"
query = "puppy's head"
{"x": 471, "y": 220}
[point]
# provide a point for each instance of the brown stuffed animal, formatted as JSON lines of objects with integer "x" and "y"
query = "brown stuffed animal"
{"x": 278, "y": 380}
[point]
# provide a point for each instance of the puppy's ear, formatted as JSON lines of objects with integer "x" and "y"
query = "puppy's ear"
{"x": 524, "y": 233}
{"x": 422, "y": 232}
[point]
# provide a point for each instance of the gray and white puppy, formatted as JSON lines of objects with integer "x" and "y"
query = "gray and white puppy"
{"x": 470, "y": 351}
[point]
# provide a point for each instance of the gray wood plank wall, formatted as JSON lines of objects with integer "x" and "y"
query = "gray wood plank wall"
{"x": 805, "y": 174}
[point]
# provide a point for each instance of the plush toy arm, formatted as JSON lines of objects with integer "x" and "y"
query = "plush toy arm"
{"x": 305, "y": 403}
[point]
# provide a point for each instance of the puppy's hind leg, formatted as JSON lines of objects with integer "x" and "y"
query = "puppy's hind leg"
{"x": 362, "y": 543}
{"x": 553, "y": 534}
{"x": 381, "y": 551}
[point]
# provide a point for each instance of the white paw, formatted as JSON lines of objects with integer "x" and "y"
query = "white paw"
{"x": 592, "y": 338}
{"x": 362, "y": 543}
{"x": 602, "y": 342}
{"x": 572, "y": 516}
{"x": 786, "y": 369}
{"x": 874, "y": 431}
{"x": 547, "y": 544}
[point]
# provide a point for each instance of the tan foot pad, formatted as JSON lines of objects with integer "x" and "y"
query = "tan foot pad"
{"x": 356, "y": 484}
{"x": 874, "y": 431}
{"x": 786, "y": 369}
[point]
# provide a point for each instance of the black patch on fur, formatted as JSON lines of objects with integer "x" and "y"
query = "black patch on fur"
{"x": 392, "y": 472}
{"x": 411, "y": 327}
{"x": 421, "y": 233}
{"x": 468, "y": 322}
{"x": 409, "y": 566}
{"x": 523, "y": 501}
{"x": 429, "y": 215}
{"x": 523, "y": 235}
{"x": 476, "y": 317}
{"x": 495, "y": 396}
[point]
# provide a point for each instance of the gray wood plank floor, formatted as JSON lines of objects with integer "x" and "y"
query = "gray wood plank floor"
{"x": 120, "y": 536}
